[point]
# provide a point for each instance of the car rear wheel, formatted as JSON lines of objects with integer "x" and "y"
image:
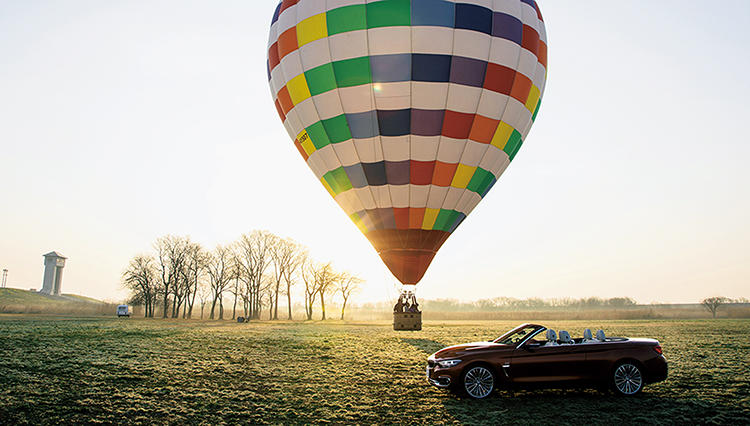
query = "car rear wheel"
{"x": 627, "y": 379}
{"x": 478, "y": 381}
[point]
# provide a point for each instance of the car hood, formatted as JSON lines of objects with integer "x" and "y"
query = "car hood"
{"x": 467, "y": 348}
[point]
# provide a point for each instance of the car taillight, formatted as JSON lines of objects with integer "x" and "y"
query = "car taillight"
{"x": 658, "y": 350}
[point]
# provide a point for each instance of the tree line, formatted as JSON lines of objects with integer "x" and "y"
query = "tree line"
{"x": 509, "y": 304}
{"x": 252, "y": 274}
{"x": 512, "y": 304}
{"x": 712, "y": 304}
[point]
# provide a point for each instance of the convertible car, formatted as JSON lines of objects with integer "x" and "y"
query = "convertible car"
{"x": 532, "y": 356}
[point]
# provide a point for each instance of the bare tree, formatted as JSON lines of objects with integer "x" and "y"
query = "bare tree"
{"x": 220, "y": 274}
{"x": 181, "y": 286}
{"x": 276, "y": 250}
{"x": 140, "y": 278}
{"x": 267, "y": 296}
{"x": 179, "y": 290}
{"x": 347, "y": 284}
{"x": 235, "y": 289}
{"x": 195, "y": 268}
{"x": 204, "y": 293}
{"x": 171, "y": 256}
{"x": 284, "y": 255}
{"x": 712, "y": 304}
{"x": 308, "y": 272}
{"x": 254, "y": 259}
{"x": 290, "y": 276}
{"x": 326, "y": 279}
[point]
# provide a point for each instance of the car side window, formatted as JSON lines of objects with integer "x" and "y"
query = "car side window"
{"x": 517, "y": 337}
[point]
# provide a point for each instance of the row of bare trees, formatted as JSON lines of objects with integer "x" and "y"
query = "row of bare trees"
{"x": 256, "y": 272}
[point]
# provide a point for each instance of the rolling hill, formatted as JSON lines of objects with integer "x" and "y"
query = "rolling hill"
{"x": 12, "y": 296}
{"x": 13, "y": 300}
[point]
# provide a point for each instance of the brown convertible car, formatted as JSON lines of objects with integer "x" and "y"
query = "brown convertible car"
{"x": 531, "y": 355}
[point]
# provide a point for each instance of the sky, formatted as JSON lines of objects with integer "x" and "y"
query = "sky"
{"x": 123, "y": 121}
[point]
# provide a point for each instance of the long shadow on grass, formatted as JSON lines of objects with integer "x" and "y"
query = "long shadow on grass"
{"x": 575, "y": 406}
{"x": 425, "y": 345}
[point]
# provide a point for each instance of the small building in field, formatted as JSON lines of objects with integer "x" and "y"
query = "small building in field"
{"x": 53, "y": 269}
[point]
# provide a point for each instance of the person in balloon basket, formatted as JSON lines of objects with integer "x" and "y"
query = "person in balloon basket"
{"x": 400, "y": 305}
{"x": 414, "y": 306}
{"x": 406, "y": 303}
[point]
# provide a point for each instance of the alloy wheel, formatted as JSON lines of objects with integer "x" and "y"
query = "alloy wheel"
{"x": 479, "y": 382}
{"x": 628, "y": 379}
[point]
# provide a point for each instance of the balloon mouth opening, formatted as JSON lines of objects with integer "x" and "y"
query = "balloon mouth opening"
{"x": 408, "y": 266}
{"x": 407, "y": 253}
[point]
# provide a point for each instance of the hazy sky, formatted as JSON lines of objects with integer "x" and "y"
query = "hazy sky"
{"x": 121, "y": 121}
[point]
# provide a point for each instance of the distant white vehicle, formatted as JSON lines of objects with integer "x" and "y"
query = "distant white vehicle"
{"x": 123, "y": 311}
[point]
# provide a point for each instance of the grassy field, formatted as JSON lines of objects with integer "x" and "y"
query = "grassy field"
{"x": 62, "y": 370}
{"x": 14, "y": 296}
{"x": 17, "y": 301}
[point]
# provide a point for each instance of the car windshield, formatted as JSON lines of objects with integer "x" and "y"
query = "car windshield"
{"x": 516, "y": 335}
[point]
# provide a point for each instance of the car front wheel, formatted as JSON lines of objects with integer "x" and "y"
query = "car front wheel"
{"x": 478, "y": 381}
{"x": 627, "y": 379}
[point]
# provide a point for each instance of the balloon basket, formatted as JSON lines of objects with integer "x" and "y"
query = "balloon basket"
{"x": 407, "y": 321}
{"x": 406, "y": 314}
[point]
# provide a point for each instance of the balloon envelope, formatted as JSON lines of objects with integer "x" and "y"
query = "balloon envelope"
{"x": 407, "y": 111}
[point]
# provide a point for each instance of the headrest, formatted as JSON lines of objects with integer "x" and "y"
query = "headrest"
{"x": 551, "y": 335}
{"x": 565, "y": 337}
{"x": 587, "y": 334}
{"x": 600, "y": 336}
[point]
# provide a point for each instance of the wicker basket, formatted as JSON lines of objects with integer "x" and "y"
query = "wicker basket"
{"x": 407, "y": 321}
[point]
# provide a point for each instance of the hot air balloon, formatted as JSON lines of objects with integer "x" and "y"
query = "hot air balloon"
{"x": 407, "y": 111}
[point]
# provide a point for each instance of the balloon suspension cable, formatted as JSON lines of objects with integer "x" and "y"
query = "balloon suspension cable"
{"x": 410, "y": 289}
{"x": 407, "y": 301}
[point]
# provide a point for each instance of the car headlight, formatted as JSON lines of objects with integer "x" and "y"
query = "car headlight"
{"x": 448, "y": 363}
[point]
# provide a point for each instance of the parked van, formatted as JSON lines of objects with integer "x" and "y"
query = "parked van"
{"x": 123, "y": 311}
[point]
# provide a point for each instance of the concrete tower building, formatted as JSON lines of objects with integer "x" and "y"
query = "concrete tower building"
{"x": 53, "y": 268}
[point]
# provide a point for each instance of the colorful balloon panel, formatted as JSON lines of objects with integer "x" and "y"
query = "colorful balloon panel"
{"x": 407, "y": 111}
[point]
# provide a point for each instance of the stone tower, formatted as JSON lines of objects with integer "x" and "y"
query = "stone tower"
{"x": 53, "y": 268}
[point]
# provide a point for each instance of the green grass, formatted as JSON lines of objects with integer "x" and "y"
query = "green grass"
{"x": 84, "y": 299}
{"x": 16, "y": 301}
{"x": 63, "y": 370}
{"x": 14, "y": 296}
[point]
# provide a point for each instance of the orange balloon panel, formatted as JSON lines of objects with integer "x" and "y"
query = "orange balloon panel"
{"x": 407, "y": 253}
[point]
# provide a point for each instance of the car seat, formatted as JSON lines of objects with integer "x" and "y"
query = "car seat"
{"x": 565, "y": 338}
{"x": 588, "y": 337}
{"x": 600, "y": 336}
{"x": 551, "y": 338}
